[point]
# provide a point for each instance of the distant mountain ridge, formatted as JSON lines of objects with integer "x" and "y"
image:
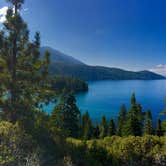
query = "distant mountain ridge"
{"x": 59, "y": 57}
{"x": 62, "y": 64}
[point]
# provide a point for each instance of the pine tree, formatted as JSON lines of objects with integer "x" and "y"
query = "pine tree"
{"x": 24, "y": 75}
{"x": 96, "y": 131}
{"x": 139, "y": 113}
{"x": 103, "y": 127}
{"x": 134, "y": 122}
{"x": 148, "y": 128}
{"x": 159, "y": 131}
{"x": 111, "y": 128}
{"x": 133, "y": 99}
{"x": 57, "y": 116}
{"x": 128, "y": 127}
{"x": 121, "y": 120}
{"x": 86, "y": 126}
{"x": 66, "y": 115}
{"x": 140, "y": 118}
{"x": 161, "y": 126}
{"x": 132, "y": 125}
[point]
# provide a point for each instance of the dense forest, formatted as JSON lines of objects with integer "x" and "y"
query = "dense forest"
{"x": 62, "y": 64}
{"x": 59, "y": 83}
{"x": 133, "y": 122}
{"x": 31, "y": 137}
{"x": 92, "y": 73}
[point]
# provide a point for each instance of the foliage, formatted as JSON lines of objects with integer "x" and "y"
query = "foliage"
{"x": 96, "y": 131}
{"x": 66, "y": 115}
{"x": 148, "y": 128}
{"x": 29, "y": 136}
{"x": 121, "y": 120}
{"x": 87, "y": 129}
{"x": 134, "y": 121}
{"x": 16, "y": 147}
{"x": 59, "y": 83}
{"x": 135, "y": 151}
{"x": 111, "y": 128}
{"x": 24, "y": 82}
{"x": 103, "y": 127}
{"x": 159, "y": 130}
{"x": 133, "y": 99}
{"x": 93, "y": 73}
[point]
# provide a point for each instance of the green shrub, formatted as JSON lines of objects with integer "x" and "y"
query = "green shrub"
{"x": 134, "y": 151}
{"x": 16, "y": 147}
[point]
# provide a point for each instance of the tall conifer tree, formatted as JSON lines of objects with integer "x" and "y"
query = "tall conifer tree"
{"x": 159, "y": 131}
{"x": 111, "y": 128}
{"x": 148, "y": 128}
{"x": 86, "y": 126}
{"x": 66, "y": 115}
{"x": 121, "y": 120}
{"x": 133, "y": 99}
{"x": 133, "y": 124}
{"x": 103, "y": 127}
{"x": 96, "y": 132}
{"x": 24, "y": 75}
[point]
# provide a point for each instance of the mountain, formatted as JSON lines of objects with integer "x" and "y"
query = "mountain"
{"x": 65, "y": 65}
{"x": 58, "y": 57}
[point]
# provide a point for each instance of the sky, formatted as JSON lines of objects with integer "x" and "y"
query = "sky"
{"x": 128, "y": 34}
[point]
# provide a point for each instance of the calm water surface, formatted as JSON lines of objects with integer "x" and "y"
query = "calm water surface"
{"x": 106, "y": 97}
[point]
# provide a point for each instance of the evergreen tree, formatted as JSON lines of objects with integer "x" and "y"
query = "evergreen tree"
{"x": 128, "y": 127}
{"x": 121, "y": 120}
{"x": 133, "y": 125}
{"x": 133, "y": 99}
{"x": 148, "y": 128}
{"x": 103, "y": 127}
{"x": 57, "y": 116}
{"x": 134, "y": 122}
{"x": 66, "y": 115}
{"x": 111, "y": 128}
{"x": 139, "y": 113}
{"x": 86, "y": 126}
{"x": 96, "y": 131}
{"x": 159, "y": 131}
{"x": 24, "y": 82}
{"x": 161, "y": 126}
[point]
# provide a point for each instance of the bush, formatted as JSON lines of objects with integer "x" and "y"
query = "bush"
{"x": 16, "y": 147}
{"x": 134, "y": 151}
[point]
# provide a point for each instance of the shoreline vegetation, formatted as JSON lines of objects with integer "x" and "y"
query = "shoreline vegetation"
{"x": 31, "y": 137}
{"x": 131, "y": 141}
{"x": 60, "y": 83}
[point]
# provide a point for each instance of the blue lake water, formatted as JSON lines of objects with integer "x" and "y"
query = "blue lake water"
{"x": 106, "y": 97}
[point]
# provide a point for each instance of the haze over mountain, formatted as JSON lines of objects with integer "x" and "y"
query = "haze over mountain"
{"x": 62, "y": 64}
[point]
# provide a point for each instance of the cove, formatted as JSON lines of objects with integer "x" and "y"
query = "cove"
{"x": 106, "y": 97}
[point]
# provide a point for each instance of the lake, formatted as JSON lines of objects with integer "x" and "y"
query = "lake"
{"x": 106, "y": 97}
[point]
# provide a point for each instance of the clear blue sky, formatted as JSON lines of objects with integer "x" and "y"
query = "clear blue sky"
{"x": 130, "y": 34}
